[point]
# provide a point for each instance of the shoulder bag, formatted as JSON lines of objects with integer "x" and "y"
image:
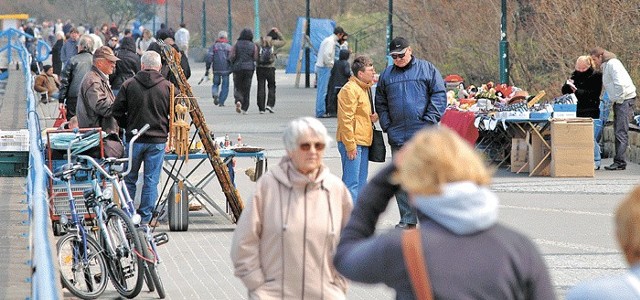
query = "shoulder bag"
{"x": 416, "y": 265}
{"x": 377, "y": 150}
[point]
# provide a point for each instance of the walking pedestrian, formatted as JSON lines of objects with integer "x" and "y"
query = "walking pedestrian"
{"x": 243, "y": 57}
{"x": 284, "y": 241}
{"x": 72, "y": 75}
{"x": 266, "y": 69}
{"x": 218, "y": 62}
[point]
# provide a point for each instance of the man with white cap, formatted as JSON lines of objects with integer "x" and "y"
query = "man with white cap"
{"x": 410, "y": 96}
{"x": 96, "y": 98}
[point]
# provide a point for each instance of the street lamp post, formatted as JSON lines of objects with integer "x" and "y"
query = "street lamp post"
{"x": 181, "y": 12}
{"x": 389, "y": 30}
{"x": 204, "y": 24}
{"x": 504, "y": 46}
{"x": 256, "y": 19}
{"x": 229, "y": 22}
{"x": 307, "y": 51}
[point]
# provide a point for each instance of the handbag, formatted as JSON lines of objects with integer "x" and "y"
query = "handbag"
{"x": 416, "y": 265}
{"x": 62, "y": 117}
{"x": 377, "y": 150}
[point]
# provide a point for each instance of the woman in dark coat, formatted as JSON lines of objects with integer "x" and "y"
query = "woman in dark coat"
{"x": 340, "y": 74}
{"x": 243, "y": 57}
{"x": 127, "y": 66}
{"x": 586, "y": 84}
{"x": 56, "y": 62}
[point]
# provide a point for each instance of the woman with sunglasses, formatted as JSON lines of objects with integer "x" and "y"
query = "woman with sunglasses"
{"x": 284, "y": 242}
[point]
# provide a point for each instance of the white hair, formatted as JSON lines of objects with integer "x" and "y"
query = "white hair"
{"x": 151, "y": 60}
{"x": 300, "y": 127}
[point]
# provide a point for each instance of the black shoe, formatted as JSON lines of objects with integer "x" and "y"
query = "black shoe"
{"x": 221, "y": 105}
{"x": 405, "y": 225}
{"x": 615, "y": 166}
{"x": 215, "y": 100}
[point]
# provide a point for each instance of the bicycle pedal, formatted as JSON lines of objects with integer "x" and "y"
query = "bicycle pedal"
{"x": 161, "y": 238}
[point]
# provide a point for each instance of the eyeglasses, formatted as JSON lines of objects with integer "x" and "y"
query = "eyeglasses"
{"x": 307, "y": 146}
{"x": 396, "y": 56}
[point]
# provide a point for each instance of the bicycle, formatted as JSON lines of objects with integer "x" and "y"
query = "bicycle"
{"x": 118, "y": 240}
{"x": 82, "y": 265}
{"x": 149, "y": 241}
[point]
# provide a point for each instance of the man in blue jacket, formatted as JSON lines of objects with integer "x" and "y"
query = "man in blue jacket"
{"x": 410, "y": 95}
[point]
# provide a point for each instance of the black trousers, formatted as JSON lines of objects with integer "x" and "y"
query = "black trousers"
{"x": 267, "y": 75}
{"x": 242, "y": 87}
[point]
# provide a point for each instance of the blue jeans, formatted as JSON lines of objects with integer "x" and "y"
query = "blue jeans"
{"x": 354, "y": 172}
{"x": 597, "y": 129}
{"x": 323, "y": 82}
{"x": 407, "y": 211}
{"x": 152, "y": 155}
{"x": 220, "y": 78}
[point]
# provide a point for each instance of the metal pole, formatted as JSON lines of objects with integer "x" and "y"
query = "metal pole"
{"x": 307, "y": 51}
{"x": 181, "y": 12}
{"x": 166, "y": 13}
{"x": 389, "y": 26}
{"x": 256, "y": 19}
{"x": 504, "y": 46}
{"x": 155, "y": 5}
{"x": 229, "y": 22}
{"x": 204, "y": 24}
{"x": 389, "y": 32}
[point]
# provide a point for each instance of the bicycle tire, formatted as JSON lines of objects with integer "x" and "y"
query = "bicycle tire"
{"x": 70, "y": 262}
{"x": 152, "y": 269}
{"x": 124, "y": 270}
{"x": 147, "y": 254}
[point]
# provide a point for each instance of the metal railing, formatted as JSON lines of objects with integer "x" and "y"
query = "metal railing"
{"x": 43, "y": 276}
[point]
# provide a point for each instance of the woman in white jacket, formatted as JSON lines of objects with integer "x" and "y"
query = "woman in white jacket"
{"x": 285, "y": 240}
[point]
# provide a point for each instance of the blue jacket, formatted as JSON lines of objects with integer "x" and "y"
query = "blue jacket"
{"x": 409, "y": 98}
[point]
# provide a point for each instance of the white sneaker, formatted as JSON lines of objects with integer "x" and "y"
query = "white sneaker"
{"x": 270, "y": 109}
{"x": 244, "y": 112}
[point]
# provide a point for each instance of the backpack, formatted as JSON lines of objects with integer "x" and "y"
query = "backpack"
{"x": 266, "y": 56}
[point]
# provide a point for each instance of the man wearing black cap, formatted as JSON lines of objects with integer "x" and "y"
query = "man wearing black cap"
{"x": 324, "y": 63}
{"x": 96, "y": 98}
{"x": 410, "y": 95}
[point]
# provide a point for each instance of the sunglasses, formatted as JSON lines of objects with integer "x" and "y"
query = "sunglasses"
{"x": 307, "y": 146}
{"x": 396, "y": 56}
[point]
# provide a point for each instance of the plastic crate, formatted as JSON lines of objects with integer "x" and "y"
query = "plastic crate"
{"x": 14, "y": 163}
{"x": 14, "y": 140}
{"x": 60, "y": 203}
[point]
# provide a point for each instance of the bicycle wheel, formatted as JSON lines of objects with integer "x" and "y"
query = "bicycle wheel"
{"x": 84, "y": 274}
{"x": 151, "y": 273}
{"x": 147, "y": 258}
{"x": 125, "y": 268}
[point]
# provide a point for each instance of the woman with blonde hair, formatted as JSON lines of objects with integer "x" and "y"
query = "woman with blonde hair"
{"x": 468, "y": 254}
{"x": 586, "y": 84}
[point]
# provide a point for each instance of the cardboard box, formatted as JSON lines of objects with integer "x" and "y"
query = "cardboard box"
{"x": 538, "y": 151}
{"x": 519, "y": 155}
{"x": 572, "y": 148}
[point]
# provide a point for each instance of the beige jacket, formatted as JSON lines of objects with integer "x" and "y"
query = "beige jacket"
{"x": 286, "y": 237}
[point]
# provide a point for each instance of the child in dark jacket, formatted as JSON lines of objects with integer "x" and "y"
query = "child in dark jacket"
{"x": 340, "y": 74}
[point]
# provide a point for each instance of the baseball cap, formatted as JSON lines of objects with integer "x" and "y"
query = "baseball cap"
{"x": 397, "y": 45}
{"x": 105, "y": 52}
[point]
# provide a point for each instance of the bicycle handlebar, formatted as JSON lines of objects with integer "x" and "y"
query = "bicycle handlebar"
{"x": 136, "y": 135}
{"x": 76, "y": 139}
